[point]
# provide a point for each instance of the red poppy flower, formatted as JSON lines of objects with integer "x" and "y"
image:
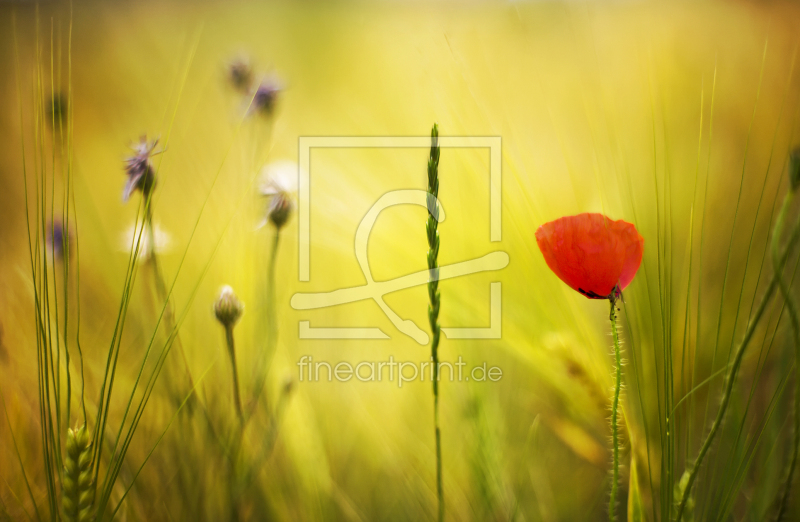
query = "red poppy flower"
{"x": 592, "y": 253}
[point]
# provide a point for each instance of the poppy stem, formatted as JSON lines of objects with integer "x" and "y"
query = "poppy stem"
{"x": 431, "y": 227}
{"x": 612, "y": 506}
{"x": 730, "y": 376}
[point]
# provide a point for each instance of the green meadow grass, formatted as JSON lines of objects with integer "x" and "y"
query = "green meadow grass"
{"x": 679, "y": 118}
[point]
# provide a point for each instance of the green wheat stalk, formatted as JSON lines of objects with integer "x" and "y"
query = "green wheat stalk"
{"x": 733, "y": 369}
{"x": 727, "y": 497}
{"x": 431, "y": 227}
{"x": 794, "y": 172}
{"x": 77, "y": 493}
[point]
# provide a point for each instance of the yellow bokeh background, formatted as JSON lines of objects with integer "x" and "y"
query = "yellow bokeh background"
{"x": 671, "y": 116}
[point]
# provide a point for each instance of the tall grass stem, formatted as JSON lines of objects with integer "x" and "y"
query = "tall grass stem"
{"x": 792, "y": 308}
{"x": 733, "y": 370}
{"x": 431, "y": 227}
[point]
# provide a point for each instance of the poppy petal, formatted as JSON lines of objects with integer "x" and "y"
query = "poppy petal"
{"x": 591, "y": 253}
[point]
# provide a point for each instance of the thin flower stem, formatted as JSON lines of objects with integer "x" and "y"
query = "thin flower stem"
{"x": 232, "y": 352}
{"x": 256, "y": 464}
{"x": 792, "y": 308}
{"x": 272, "y": 329}
{"x": 730, "y": 376}
{"x": 271, "y": 282}
{"x": 612, "y": 505}
{"x": 163, "y": 295}
{"x": 435, "y": 300}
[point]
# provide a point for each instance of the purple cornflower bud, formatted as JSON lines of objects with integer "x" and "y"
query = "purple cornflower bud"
{"x": 58, "y": 240}
{"x": 266, "y": 96}
{"x": 139, "y": 170}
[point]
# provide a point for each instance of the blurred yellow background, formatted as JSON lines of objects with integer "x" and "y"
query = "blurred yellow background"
{"x": 599, "y": 108}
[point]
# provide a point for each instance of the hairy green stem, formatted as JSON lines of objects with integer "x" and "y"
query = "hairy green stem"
{"x": 612, "y": 505}
{"x": 733, "y": 370}
{"x": 431, "y": 227}
{"x": 792, "y": 308}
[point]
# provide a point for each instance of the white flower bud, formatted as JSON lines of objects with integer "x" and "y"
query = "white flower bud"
{"x": 228, "y": 308}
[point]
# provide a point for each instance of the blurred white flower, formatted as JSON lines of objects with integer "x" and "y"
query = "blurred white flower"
{"x": 279, "y": 181}
{"x": 280, "y": 176}
{"x": 160, "y": 243}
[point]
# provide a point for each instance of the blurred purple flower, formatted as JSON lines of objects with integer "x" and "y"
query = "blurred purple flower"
{"x": 58, "y": 240}
{"x": 240, "y": 74}
{"x": 266, "y": 95}
{"x": 139, "y": 170}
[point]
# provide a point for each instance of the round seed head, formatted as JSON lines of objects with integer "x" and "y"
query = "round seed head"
{"x": 279, "y": 210}
{"x": 228, "y": 308}
{"x": 279, "y": 186}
